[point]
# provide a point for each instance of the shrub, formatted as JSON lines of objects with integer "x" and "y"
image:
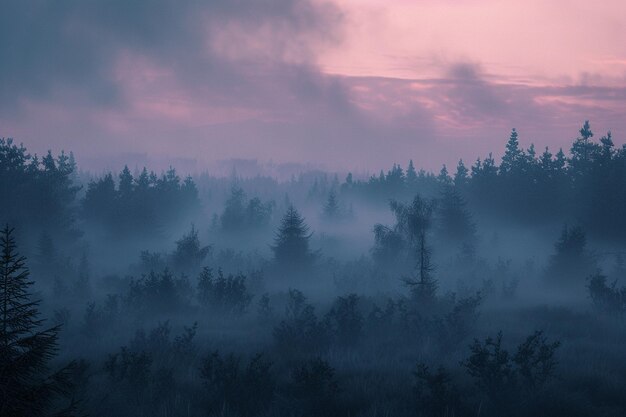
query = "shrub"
{"x": 535, "y": 360}
{"x": 158, "y": 292}
{"x": 434, "y": 391}
{"x": 248, "y": 391}
{"x": 606, "y": 298}
{"x": 314, "y": 389}
{"x": 501, "y": 376}
{"x": 345, "y": 320}
{"x": 226, "y": 294}
{"x": 300, "y": 333}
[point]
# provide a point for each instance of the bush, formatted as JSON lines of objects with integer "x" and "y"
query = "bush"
{"x": 490, "y": 366}
{"x": 300, "y": 333}
{"x": 501, "y": 376}
{"x": 158, "y": 293}
{"x": 460, "y": 321}
{"x": 345, "y": 320}
{"x": 606, "y": 298}
{"x": 99, "y": 319}
{"x": 314, "y": 389}
{"x": 435, "y": 393}
{"x": 166, "y": 352}
{"x": 535, "y": 360}
{"x": 224, "y": 294}
{"x": 130, "y": 368}
{"x": 248, "y": 391}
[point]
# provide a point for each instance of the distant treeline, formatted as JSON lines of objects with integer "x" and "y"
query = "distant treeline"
{"x": 586, "y": 187}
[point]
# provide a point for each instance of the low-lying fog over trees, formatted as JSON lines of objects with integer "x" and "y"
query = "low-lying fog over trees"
{"x": 484, "y": 289}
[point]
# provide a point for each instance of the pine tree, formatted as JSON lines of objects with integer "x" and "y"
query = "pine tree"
{"x": 444, "y": 178}
{"x": 189, "y": 253}
{"x": 571, "y": 262}
{"x": 414, "y": 221}
{"x": 607, "y": 145}
{"x": 126, "y": 183}
{"x": 234, "y": 215}
{"x": 26, "y": 387}
{"x": 411, "y": 175}
{"x": 546, "y": 161}
{"x": 142, "y": 182}
{"x": 461, "y": 176}
{"x": 512, "y": 155}
{"x": 425, "y": 288}
{"x": 582, "y": 149}
{"x": 560, "y": 161}
{"x": 531, "y": 154}
{"x": 455, "y": 219}
{"x": 291, "y": 244}
{"x": 332, "y": 209}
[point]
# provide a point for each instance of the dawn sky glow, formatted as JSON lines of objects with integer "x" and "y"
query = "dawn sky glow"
{"x": 350, "y": 84}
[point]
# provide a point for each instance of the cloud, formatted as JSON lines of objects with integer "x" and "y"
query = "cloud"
{"x": 51, "y": 47}
{"x": 220, "y": 79}
{"x": 471, "y": 96}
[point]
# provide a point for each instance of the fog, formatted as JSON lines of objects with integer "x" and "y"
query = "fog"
{"x": 492, "y": 289}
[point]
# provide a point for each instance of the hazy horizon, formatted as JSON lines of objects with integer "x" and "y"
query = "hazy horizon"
{"x": 342, "y": 84}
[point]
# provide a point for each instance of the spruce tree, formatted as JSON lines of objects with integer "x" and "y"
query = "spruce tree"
{"x": 582, "y": 150}
{"x": 546, "y": 161}
{"x": 454, "y": 217}
{"x": 444, "y": 178}
{"x": 572, "y": 261}
{"x": 26, "y": 386}
{"x": 512, "y": 155}
{"x": 461, "y": 177}
{"x": 332, "y": 209}
{"x": 126, "y": 183}
{"x": 411, "y": 175}
{"x": 291, "y": 244}
{"x": 424, "y": 289}
{"x": 560, "y": 161}
{"x": 189, "y": 253}
{"x": 233, "y": 217}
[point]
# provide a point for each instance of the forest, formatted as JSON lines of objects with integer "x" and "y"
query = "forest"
{"x": 493, "y": 288}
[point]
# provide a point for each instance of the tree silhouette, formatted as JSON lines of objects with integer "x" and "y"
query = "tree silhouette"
{"x": 572, "y": 262}
{"x": 26, "y": 387}
{"x": 234, "y": 216}
{"x": 461, "y": 176}
{"x": 414, "y": 221}
{"x": 454, "y": 217}
{"x": 189, "y": 252}
{"x": 444, "y": 177}
{"x": 242, "y": 216}
{"x": 513, "y": 154}
{"x": 582, "y": 147}
{"x": 291, "y": 244}
{"x": 46, "y": 182}
{"x": 332, "y": 209}
{"x": 411, "y": 175}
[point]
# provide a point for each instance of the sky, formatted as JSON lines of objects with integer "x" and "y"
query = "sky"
{"x": 341, "y": 85}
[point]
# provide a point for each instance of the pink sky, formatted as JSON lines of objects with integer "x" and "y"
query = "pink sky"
{"x": 350, "y": 85}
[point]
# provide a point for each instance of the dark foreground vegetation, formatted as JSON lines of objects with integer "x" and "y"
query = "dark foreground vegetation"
{"x": 496, "y": 290}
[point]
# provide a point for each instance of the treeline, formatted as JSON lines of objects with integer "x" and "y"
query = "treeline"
{"x": 586, "y": 187}
{"x": 139, "y": 205}
{"x": 45, "y": 196}
{"x": 38, "y": 194}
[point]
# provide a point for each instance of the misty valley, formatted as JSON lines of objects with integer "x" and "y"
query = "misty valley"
{"x": 493, "y": 288}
